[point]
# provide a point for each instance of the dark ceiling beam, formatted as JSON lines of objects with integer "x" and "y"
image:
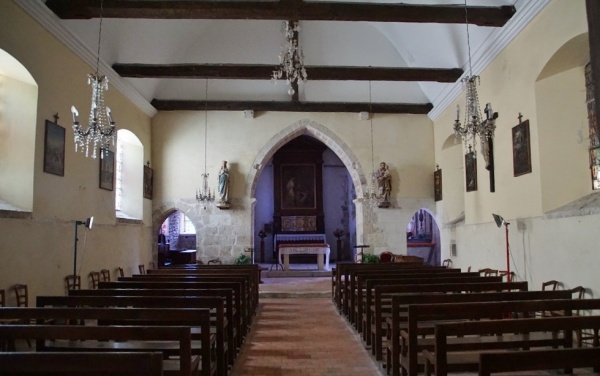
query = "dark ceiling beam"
{"x": 495, "y": 16}
{"x": 264, "y": 72}
{"x": 379, "y": 108}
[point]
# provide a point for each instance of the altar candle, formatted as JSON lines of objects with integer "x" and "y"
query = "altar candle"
{"x": 457, "y": 112}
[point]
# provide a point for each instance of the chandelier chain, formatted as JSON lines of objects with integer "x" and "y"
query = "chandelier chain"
{"x": 468, "y": 39}
{"x": 99, "y": 37}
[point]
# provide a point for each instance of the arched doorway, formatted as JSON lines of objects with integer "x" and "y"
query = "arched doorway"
{"x": 334, "y": 212}
{"x": 176, "y": 240}
{"x": 423, "y": 237}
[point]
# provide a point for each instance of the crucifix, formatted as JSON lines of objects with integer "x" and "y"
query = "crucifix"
{"x": 56, "y": 117}
{"x": 520, "y": 117}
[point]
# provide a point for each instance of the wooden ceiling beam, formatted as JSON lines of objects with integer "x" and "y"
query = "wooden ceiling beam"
{"x": 264, "y": 72}
{"x": 495, "y": 16}
{"x": 291, "y": 106}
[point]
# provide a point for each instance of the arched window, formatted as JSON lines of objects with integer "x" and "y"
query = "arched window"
{"x": 18, "y": 96}
{"x": 129, "y": 176}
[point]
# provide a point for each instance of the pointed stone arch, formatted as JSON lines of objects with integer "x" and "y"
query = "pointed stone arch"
{"x": 332, "y": 141}
{"x": 318, "y": 131}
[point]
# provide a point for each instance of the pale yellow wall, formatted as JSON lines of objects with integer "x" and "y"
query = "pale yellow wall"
{"x": 39, "y": 251}
{"x": 564, "y": 138}
{"x": 564, "y": 249}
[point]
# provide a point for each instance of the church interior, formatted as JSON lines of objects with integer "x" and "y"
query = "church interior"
{"x": 461, "y": 133}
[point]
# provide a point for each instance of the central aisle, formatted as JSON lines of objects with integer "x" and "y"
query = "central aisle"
{"x": 302, "y": 336}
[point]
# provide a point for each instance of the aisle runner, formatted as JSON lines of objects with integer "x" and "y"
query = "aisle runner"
{"x": 302, "y": 337}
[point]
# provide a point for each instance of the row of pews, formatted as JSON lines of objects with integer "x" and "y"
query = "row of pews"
{"x": 419, "y": 319}
{"x": 193, "y": 319}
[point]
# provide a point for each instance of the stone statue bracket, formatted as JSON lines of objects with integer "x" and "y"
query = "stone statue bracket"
{"x": 223, "y": 205}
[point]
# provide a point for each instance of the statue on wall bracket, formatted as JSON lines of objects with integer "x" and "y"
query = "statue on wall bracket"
{"x": 384, "y": 184}
{"x": 223, "y": 187}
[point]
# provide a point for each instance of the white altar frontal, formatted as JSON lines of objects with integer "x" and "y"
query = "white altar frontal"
{"x": 321, "y": 250}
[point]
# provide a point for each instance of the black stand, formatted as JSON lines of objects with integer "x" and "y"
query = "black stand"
{"x": 88, "y": 223}
{"x": 276, "y": 264}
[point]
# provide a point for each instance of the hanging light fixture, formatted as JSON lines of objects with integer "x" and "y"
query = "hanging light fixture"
{"x": 101, "y": 129}
{"x": 291, "y": 58}
{"x": 203, "y": 194}
{"x": 372, "y": 196}
{"x": 474, "y": 126}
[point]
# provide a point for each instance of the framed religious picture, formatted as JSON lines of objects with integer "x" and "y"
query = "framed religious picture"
{"x": 148, "y": 182}
{"x": 437, "y": 185}
{"x": 471, "y": 171}
{"x": 107, "y": 169}
{"x": 521, "y": 149}
{"x": 298, "y": 190}
{"x": 54, "y": 149}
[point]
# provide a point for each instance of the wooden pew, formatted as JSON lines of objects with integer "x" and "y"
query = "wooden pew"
{"x": 252, "y": 271}
{"x": 373, "y": 331}
{"x": 130, "y": 337}
{"x": 342, "y": 279}
{"x": 519, "y": 361}
{"x": 242, "y": 329}
{"x": 234, "y": 339}
{"x": 410, "y": 330}
{"x": 445, "y": 359}
{"x": 215, "y": 304}
{"x": 81, "y": 363}
{"x": 366, "y": 297}
{"x": 358, "y": 278}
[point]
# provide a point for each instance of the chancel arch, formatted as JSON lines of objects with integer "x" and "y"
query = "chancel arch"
{"x": 340, "y": 153}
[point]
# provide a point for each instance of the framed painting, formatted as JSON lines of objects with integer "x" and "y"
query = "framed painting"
{"x": 521, "y": 149}
{"x": 437, "y": 185}
{"x": 148, "y": 182}
{"x": 471, "y": 171}
{"x": 54, "y": 149}
{"x": 298, "y": 189}
{"x": 107, "y": 169}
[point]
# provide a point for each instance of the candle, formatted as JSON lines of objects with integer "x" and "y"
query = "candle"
{"x": 457, "y": 112}
{"x": 94, "y": 110}
{"x": 75, "y": 114}
{"x": 109, "y": 114}
{"x": 490, "y": 112}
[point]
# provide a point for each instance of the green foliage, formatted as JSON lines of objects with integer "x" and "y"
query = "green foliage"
{"x": 370, "y": 259}
{"x": 242, "y": 260}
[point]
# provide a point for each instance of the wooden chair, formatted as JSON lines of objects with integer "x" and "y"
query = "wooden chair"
{"x": 21, "y": 294}
{"x": 95, "y": 279}
{"x": 386, "y": 257}
{"x": 22, "y": 297}
{"x": 447, "y": 263}
{"x": 583, "y": 336}
{"x": 503, "y": 273}
{"x": 105, "y": 275}
{"x": 142, "y": 268}
{"x": 121, "y": 273}
{"x": 550, "y": 285}
{"x": 487, "y": 272}
{"x": 73, "y": 282}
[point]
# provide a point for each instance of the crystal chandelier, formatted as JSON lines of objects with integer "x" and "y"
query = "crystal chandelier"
{"x": 474, "y": 126}
{"x": 372, "y": 196}
{"x": 203, "y": 194}
{"x": 291, "y": 58}
{"x": 101, "y": 129}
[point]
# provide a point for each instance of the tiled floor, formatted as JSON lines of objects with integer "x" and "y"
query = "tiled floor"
{"x": 302, "y": 336}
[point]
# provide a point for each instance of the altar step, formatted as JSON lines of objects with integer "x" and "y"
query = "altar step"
{"x": 294, "y": 295}
{"x": 295, "y": 273}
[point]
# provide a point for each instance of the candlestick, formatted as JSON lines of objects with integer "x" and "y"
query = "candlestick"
{"x": 75, "y": 114}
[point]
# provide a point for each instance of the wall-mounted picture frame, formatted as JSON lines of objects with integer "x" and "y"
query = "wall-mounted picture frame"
{"x": 148, "y": 182}
{"x": 471, "y": 171}
{"x": 521, "y": 149}
{"x": 107, "y": 169}
{"x": 298, "y": 190}
{"x": 54, "y": 149}
{"x": 437, "y": 185}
